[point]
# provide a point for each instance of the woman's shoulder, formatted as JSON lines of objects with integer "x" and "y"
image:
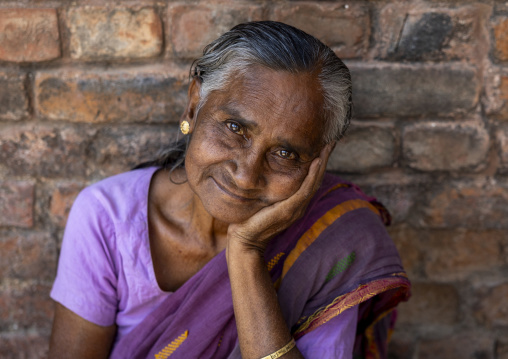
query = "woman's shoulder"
{"x": 121, "y": 196}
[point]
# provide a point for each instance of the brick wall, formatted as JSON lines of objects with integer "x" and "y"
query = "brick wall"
{"x": 88, "y": 89}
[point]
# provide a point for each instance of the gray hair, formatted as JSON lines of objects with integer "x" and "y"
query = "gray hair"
{"x": 279, "y": 47}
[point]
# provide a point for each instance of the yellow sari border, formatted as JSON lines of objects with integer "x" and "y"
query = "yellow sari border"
{"x": 361, "y": 294}
{"x": 320, "y": 225}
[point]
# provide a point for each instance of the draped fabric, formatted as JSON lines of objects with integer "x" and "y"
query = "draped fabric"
{"x": 338, "y": 255}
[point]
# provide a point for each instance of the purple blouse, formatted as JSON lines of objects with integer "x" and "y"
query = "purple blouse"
{"x": 105, "y": 271}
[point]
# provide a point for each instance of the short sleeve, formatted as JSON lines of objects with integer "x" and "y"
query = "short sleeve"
{"x": 86, "y": 279}
{"x": 334, "y": 339}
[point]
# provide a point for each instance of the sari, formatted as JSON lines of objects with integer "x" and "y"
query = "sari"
{"x": 337, "y": 256}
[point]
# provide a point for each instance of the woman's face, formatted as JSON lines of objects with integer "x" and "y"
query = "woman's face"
{"x": 252, "y": 143}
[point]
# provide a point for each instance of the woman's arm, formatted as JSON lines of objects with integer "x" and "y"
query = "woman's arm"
{"x": 261, "y": 326}
{"x": 75, "y": 337}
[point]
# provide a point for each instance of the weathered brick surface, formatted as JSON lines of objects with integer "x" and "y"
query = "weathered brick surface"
{"x": 492, "y": 309}
{"x": 115, "y": 150}
{"x": 502, "y": 139}
{"x": 24, "y": 345}
{"x": 16, "y": 203}
{"x": 29, "y": 35}
{"x": 363, "y": 149}
{"x": 431, "y": 304}
{"x": 500, "y": 30}
{"x": 409, "y": 90}
{"x": 25, "y": 306}
{"x": 62, "y": 198}
{"x": 452, "y": 255}
{"x": 345, "y": 28}
{"x": 27, "y": 256}
{"x": 191, "y": 27}
{"x": 409, "y": 245}
{"x": 43, "y": 150}
{"x": 13, "y": 98}
{"x": 502, "y": 349}
{"x": 437, "y": 146}
{"x": 496, "y": 88}
{"x": 475, "y": 206}
{"x": 467, "y": 346}
{"x": 410, "y": 32}
{"x": 108, "y": 33}
{"x": 148, "y": 94}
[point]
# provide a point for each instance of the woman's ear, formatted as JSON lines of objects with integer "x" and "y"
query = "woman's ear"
{"x": 193, "y": 98}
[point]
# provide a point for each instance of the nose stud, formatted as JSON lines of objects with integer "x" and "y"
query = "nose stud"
{"x": 184, "y": 127}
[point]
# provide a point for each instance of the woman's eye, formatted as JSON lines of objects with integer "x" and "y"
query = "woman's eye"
{"x": 236, "y": 128}
{"x": 286, "y": 154}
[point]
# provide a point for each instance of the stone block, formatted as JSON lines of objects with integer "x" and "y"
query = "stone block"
{"x": 410, "y": 90}
{"x": 345, "y": 28}
{"x": 13, "y": 98}
{"x": 62, "y": 198}
{"x": 99, "y": 33}
{"x": 116, "y": 150}
{"x": 190, "y": 28}
{"x": 29, "y": 35}
{"x": 500, "y": 29}
{"x": 430, "y": 304}
{"x": 28, "y": 256}
{"x": 409, "y": 244}
{"x": 43, "y": 150}
{"x": 411, "y": 32}
{"x": 459, "y": 345}
{"x": 148, "y": 94}
{"x": 16, "y": 204}
{"x": 452, "y": 255}
{"x": 363, "y": 149}
{"x": 445, "y": 146}
{"x": 23, "y": 345}
{"x": 25, "y": 306}
{"x": 502, "y": 349}
{"x": 464, "y": 205}
{"x": 492, "y": 308}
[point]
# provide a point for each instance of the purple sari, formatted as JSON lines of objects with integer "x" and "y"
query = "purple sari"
{"x": 338, "y": 255}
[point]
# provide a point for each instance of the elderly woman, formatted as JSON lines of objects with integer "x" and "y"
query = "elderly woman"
{"x": 234, "y": 242}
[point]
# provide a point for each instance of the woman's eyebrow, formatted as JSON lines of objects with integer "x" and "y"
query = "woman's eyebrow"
{"x": 238, "y": 117}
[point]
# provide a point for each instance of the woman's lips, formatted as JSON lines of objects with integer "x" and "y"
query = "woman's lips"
{"x": 231, "y": 194}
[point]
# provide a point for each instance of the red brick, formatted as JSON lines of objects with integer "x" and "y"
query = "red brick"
{"x": 116, "y": 150}
{"x": 24, "y": 345}
{"x": 462, "y": 345}
{"x": 61, "y": 201}
{"x": 111, "y": 33}
{"x": 147, "y": 94}
{"x": 500, "y": 28}
{"x": 344, "y": 28}
{"x": 413, "y": 90}
{"x": 363, "y": 149}
{"x": 43, "y": 150}
{"x": 445, "y": 146}
{"x": 190, "y": 28}
{"x": 25, "y": 306}
{"x": 13, "y": 99}
{"x": 16, "y": 204}
{"x": 492, "y": 309}
{"x": 409, "y": 244}
{"x": 466, "y": 205}
{"x": 29, "y": 35}
{"x": 430, "y": 304}
{"x": 411, "y": 32}
{"x": 453, "y": 255}
{"x": 28, "y": 256}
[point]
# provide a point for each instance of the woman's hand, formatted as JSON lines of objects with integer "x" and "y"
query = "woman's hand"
{"x": 256, "y": 232}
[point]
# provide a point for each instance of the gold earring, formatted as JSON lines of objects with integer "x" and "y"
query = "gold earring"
{"x": 184, "y": 127}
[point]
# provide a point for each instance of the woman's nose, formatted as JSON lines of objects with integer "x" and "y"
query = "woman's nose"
{"x": 249, "y": 170}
